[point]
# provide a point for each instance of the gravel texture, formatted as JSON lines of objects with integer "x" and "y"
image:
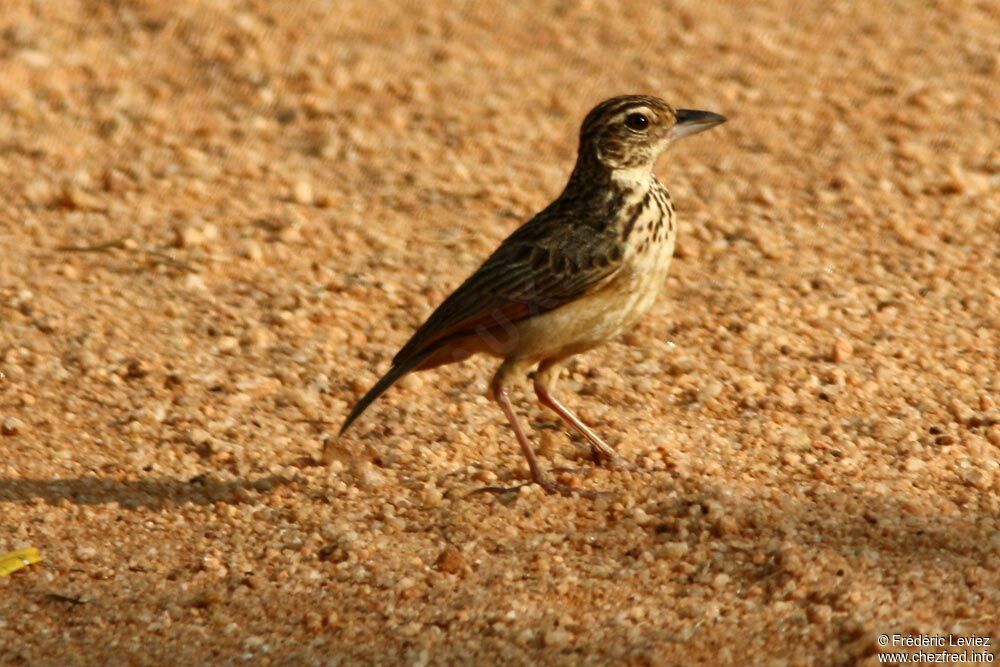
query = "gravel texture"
{"x": 219, "y": 220}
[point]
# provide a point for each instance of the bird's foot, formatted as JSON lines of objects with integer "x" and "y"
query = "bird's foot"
{"x": 619, "y": 462}
{"x": 549, "y": 485}
{"x": 553, "y": 487}
{"x": 611, "y": 460}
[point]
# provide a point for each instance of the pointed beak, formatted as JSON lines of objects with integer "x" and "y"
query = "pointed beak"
{"x": 692, "y": 121}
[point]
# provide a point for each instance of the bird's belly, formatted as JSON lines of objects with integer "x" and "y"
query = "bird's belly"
{"x": 597, "y": 317}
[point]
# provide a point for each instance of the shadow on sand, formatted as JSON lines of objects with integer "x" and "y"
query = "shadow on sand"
{"x": 145, "y": 493}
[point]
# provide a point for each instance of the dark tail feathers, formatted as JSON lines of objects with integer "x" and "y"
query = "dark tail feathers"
{"x": 390, "y": 378}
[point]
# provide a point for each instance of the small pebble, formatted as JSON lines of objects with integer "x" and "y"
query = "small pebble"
{"x": 188, "y": 237}
{"x": 411, "y": 382}
{"x": 85, "y": 553}
{"x": 432, "y": 497}
{"x": 252, "y": 251}
{"x": 228, "y": 344}
{"x": 195, "y": 283}
{"x": 978, "y": 479}
{"x": 76, "y": 198}
{"x": 450, "y": 561}
{"x": 710, "y": 391}
{"x": 369, "y": 478}
{"x": 199, "y": 436}
{"x": 558, "y": 638}
{"x": 12, "y": 426}
{"x": 842, "y": 351}
{"x": 673, "y": 550}
{"x": 819, "y": 614}
{"x": 302, "y": 192}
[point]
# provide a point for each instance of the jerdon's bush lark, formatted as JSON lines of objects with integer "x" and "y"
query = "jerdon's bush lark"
{"x": 579, "y": 273}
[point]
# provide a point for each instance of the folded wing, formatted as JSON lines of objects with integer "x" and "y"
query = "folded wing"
{"x": 531, "y": 273}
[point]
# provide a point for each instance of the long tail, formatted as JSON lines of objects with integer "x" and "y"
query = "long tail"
{"x": 390, "y": 378}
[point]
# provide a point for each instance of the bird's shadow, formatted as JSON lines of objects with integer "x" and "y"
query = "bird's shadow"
{"x": 142, "y": 493}
{"x": 876, "y": 521}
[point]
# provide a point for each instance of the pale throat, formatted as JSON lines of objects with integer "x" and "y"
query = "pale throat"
{"x": 633, "y": 178}
{"x": 633, "y": 182}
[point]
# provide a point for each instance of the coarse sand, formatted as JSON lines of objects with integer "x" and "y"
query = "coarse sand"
{"x": 220, "y": 219}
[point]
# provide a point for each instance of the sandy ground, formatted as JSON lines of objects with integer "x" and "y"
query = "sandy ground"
{"x": 219, "y": 221}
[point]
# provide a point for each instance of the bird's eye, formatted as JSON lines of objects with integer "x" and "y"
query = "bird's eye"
{"x": 636, "y": 121}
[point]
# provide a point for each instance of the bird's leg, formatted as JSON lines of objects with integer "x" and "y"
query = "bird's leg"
{"x": 545, "y": 378}
{"x": 500, "y": 391}
{"x": 502, "y": 397}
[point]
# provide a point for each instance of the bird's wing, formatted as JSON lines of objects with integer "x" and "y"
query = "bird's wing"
{"x": 541, "y": 266}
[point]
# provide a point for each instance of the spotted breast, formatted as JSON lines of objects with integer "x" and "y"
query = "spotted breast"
{"x": 649, "y": 236}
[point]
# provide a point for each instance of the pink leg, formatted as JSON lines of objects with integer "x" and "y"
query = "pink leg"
{"x": 546, "y": 376}
{"x": 502, "y": 397}
{"x": 501, "y": 394}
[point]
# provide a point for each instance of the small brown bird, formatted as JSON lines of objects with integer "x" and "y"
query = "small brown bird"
{"x": 579, "y": 273}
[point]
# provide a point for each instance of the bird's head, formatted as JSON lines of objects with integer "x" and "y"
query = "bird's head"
{"x": 631, "y": 131}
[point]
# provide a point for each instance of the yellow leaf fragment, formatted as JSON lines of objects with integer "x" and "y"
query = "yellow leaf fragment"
{"x": 16, "y": 560}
